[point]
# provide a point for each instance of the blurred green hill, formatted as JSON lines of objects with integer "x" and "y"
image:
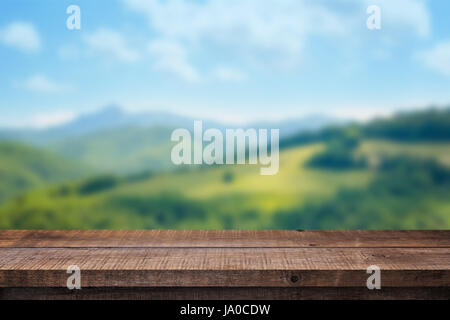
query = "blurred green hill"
{"x": 112, "y": 140}
{"x": 120, "y": 150}
{"x": 240, "y": 198}
{"x": 23, "y": 167}
{"x": 189, "y": 198}
{"x": 341, "y": 177}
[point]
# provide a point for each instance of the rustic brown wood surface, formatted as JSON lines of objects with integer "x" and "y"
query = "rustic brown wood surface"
{"x": 220, "y": 293}
{"x": 246, "y": 264}
{"x": 239, "y": 239}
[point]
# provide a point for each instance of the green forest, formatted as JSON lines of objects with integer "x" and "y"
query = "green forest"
{"x": 390, "y": 173}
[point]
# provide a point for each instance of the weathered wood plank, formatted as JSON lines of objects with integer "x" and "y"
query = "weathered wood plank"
{"x": 225, "y": 264}
{"x": 225, "y": 258}
{"x": 222, "y": 293}
{"x": 229, "y": 279}
{"x": 230, "y": 267}
{"x": 223, "y": 239}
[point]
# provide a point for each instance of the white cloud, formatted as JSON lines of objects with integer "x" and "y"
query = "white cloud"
{"x": 45, "y": 120}
{"x": 40, "y": 83}
{"x": 21, "y": 36}
{"x": 275, "y": 28}
{"x": 228, "y": 74}
{"x": 171, "y": 57}
{"x": 110, "y": 43}
{"x": 406, "y": 16}
{"x": 276, "y": 31}
{"x": 437, "y": 58}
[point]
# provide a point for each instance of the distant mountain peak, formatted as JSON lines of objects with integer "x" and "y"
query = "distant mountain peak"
{"x": 111, "y": 110}
{"x": 113, "y": 116}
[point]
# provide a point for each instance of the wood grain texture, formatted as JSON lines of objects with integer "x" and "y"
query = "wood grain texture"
{"x": 21, "y": 267}
{"x": 277, "y": 263}
{"x": 224, "y": 293}
{"x": 220, "y": 239}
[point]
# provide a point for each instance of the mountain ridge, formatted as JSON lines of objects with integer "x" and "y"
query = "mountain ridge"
{"x": 114, "y": 116}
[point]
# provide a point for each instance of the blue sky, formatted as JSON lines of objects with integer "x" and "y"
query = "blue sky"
{"x": 238, "y": 60}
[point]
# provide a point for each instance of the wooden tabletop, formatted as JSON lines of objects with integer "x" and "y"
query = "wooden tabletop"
{"x": 225, "y": 259}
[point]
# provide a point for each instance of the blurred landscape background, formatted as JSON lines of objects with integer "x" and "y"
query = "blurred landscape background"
{"x": 87, "y": 115}
{"x": 391, "y": 173}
